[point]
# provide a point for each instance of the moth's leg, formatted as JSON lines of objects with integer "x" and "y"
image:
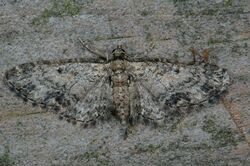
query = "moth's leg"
{"x": 100, "y": 53}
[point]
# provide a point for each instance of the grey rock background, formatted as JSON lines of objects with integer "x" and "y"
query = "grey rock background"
{"x": 218, "y": 134}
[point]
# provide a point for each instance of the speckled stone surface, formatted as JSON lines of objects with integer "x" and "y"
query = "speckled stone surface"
{"x": 218, "y": 134}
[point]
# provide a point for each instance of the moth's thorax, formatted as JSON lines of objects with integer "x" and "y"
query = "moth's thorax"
{"x": 117, "y": 65}
{"x": 119, "y": 76}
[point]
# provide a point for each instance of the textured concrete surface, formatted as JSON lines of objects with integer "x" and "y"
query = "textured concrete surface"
{"x": 218, "y": 134}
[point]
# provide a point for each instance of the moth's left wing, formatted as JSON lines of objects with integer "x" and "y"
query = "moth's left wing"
{"x": 168, "y": 87}
{"x": 95, "y": 104}
{"x": 60, "y": 85}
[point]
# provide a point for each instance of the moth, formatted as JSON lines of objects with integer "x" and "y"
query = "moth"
{"x": 88, "y": 89}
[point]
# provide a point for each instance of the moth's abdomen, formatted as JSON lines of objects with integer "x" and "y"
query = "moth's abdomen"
{"x": 121, "y": 101}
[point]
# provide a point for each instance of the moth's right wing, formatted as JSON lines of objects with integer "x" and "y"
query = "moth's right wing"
{"x": 165, "y": 88}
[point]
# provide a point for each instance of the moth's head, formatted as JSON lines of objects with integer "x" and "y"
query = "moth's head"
{"x": 119, "y": 53}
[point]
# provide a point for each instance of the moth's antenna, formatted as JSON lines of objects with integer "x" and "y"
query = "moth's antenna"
{"x": 135, "y": 55}
{"x": 93, "y": 50}
{"x": 81, "y": 41}
{"x": 107, "y": 57}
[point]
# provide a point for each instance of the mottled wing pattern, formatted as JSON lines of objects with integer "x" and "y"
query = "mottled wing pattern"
{"x": 74, "y": 88}
{"x": 165, "y": 88}
{"x": 95, "y": 104}
{"x": 150, "y": 108}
